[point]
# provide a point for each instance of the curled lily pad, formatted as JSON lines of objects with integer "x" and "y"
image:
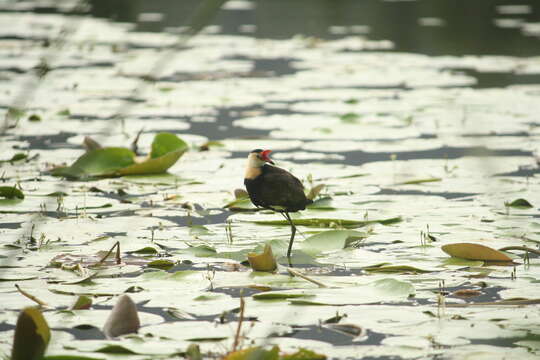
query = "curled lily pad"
{"x": 82, "y": 303}
{"x": 115, "y": 161}
{"x": 123, "y": 319}
{"x": 99, "y": 162}
{"x": 314, "y": 191}
{"x": 32, "y": 335}
{"x": 472, "y": 251}
{"x": 263, "y": 262}
{"x": 11, "y": 192}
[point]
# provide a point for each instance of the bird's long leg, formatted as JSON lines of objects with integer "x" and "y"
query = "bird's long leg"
{"x": 298, "y": 231}
{"x": 293, "y": 232}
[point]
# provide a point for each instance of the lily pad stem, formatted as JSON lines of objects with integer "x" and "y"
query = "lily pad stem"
{"x": 239, "y": 327}
{"x": 31, "y": 297}
{"x": 300, "y": 275}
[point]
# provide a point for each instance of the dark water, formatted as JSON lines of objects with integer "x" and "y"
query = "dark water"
{"x": 466, "y": 27}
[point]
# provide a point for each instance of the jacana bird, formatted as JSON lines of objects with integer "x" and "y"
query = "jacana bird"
{"x": 273, "y": 188}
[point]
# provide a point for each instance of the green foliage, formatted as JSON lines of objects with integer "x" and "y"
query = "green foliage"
{"x": 114, "y": 161}
{"x": 519, "y": 204}
{"x": 32, "y": 335}
{"x": 11, "y": 192}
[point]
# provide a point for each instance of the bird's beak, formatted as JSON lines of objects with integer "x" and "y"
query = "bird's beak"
{"x": 265, "y": 155}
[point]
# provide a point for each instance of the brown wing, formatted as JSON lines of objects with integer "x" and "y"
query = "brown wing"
{"x": 279, "y": 187}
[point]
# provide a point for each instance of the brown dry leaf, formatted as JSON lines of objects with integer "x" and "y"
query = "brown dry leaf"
{"x": 472, "y": 251}
{"x": 467, "y": 293}
{"x": 315, "y": 191}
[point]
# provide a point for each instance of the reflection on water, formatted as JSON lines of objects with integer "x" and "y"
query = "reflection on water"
{"x": 435, "y": 27}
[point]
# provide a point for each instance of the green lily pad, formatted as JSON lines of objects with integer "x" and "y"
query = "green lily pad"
{"x": 16, "y": 157}
{"x": 99, "y": 162}
{"x": 303, "y": 354}
{"x": 349, "y": 118}
{"x": 419, "y": 181}
{"x": 520, "y": 204}
{"x": 241, "y": 204}
{"x": 161, "y": 264}
{"x": 70, "y": 357}
{"x": 323, "y": 203}
{"x": 331, "y": 240}
{"x": 314, "y": 222}
{"x": 115, "y": 161}
{"x": 11, "y": 192}
{"x": 165, "y": 143}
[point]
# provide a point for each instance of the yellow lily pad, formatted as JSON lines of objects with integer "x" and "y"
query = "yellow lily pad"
{"x": 263, "y": 262}
{"x": 471, "y": 251}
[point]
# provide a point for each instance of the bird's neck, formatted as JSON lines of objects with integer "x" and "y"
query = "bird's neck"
{"x": 252, "y": 172}
{"x": 253, "y": 168}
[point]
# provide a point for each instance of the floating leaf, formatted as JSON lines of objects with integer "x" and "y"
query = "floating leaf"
{"x": 115, "y": 349}
{"x": 32, "y": 335}
{"x": 153, "y": 165}
{"x": 114, "y": 161}
{"x": 123, "y": 319}
{"x": 350, "y": 118}
{"x": 70, "y": 357}
{"x": 263, "y": 262}
{"x": 323, "y": 203}
{"x": 180, "y": 314}
{"x": 150, "y": 250}
{"x": 279, "y": 295}
{"x": 331, "y": 240}
{"x": 348, "y": 329}
{"x": 241, "y": 194}
{"x": 381, "y": 268}
{"x": 419, "y": 181}
{"x": 91, "y": 144}
{"x": 82, "y": 303}
{"x": 165, "y": 143}
{"x": 11, "y": 192}
{"x": 314, "y": 191}
{"x": 34, "y": 118}
{"x": 253, "y": 353}
{"x": 520, "y": 204}
{"x": 201, "y": 250}
{"x": 161, "y": 264}
{"x": 315, "y": 222}
{"x": 303, "y": 354}
{"x": 196, "y": 230}
{"x": 99, "y": 162}
{"x": 57, "y": 194}
{"x": 467, "y": 293}
{"x": 472, "y": 251}
{"x": 16, "y": 157}
{"x": 240, "y": 204}
{"x": 193, "y": 352}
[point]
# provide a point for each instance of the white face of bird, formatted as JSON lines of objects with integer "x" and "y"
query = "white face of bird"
{"x": 256, "y": 159}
